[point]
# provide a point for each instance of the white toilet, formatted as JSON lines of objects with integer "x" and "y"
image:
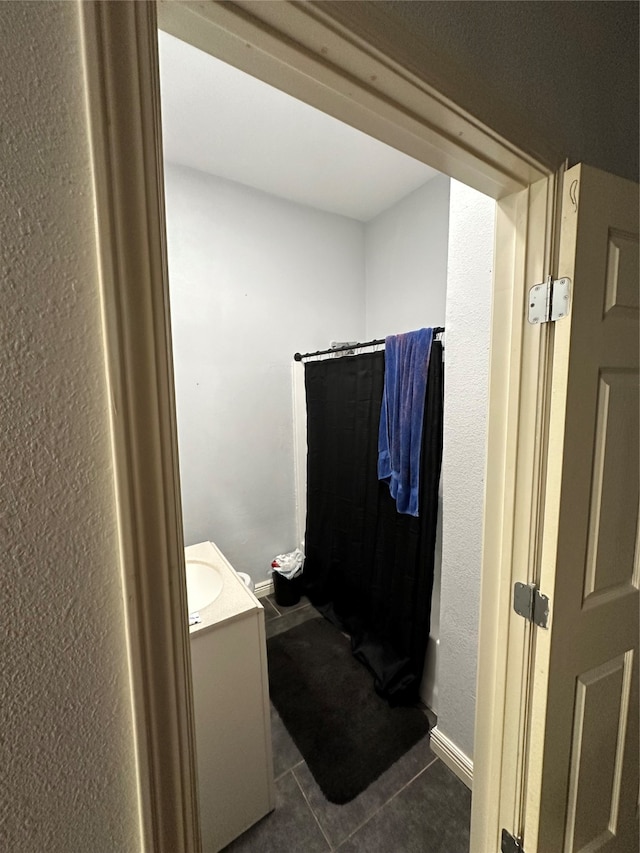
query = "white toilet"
{"x": 246, "y": 580}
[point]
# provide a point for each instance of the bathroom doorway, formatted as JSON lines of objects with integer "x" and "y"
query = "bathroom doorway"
{"x": 188, "y": 191}
{"x": 154, "y": 456}
{"x": 288, "y": 229}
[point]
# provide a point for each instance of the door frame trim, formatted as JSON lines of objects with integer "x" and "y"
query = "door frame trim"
{"x": 302, "y": 49}
{"x": 123, "y": 107}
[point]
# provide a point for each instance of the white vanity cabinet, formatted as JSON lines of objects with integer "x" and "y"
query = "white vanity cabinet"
{"x": 231, "y": 701}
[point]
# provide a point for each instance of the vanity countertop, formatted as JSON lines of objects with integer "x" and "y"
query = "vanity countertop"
{"x": 234, "y": 601}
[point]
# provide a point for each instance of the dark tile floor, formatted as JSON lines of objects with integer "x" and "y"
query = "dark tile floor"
{"x": 417, "y": 805}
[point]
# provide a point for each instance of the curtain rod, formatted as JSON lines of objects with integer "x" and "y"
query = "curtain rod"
{"x": 437, "y": 330}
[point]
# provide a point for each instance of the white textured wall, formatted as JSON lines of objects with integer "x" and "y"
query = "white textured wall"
{"x": 253, "y": 279}
{"x": 469, "y": 287}
{"x": 406, "y": 262}
{"x": 524, "y": 69}
{"x": 67, "y": 776}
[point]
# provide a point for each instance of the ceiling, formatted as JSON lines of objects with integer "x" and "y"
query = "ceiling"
{"x": 225, "y": 122}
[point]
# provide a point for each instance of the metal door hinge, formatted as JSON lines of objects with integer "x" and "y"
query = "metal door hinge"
{"x": 510, "y": 844}
{"x": 550, "y": 300}
{"x": 529, "y": 602}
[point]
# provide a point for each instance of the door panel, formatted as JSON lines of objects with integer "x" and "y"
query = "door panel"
{"x": 614, "y": 516}
{"x": 595, "y": 780}
{"x": 582, "y": 790}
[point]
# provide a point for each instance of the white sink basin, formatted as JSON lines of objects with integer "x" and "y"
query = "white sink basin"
{"x": 204, "y": 584}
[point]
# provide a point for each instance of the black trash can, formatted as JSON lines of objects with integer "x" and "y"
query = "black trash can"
{"x": 287, "y": 590}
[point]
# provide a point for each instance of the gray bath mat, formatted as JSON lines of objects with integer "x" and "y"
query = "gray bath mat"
{"x": 346, "y": 733}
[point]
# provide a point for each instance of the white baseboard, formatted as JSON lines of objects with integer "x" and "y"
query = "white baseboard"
{"x": 263, "y": 589}
{"x": 453, "y": 757}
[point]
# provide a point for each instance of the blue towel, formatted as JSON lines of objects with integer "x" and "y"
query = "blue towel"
{"x": 402, "y": 414}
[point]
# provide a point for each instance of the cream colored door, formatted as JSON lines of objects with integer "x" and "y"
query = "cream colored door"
{"x": 582, "y": 777}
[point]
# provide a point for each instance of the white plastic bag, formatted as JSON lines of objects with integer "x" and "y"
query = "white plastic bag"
{"x": 288, "y": 565}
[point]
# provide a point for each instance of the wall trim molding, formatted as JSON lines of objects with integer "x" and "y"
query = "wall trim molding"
{"x": 120, "y": 46}
{"x": 452, "y": 756}
{"x": 263, "y": 589}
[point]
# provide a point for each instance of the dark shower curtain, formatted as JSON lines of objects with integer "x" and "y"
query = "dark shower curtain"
{"x": 368, "y": 568}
